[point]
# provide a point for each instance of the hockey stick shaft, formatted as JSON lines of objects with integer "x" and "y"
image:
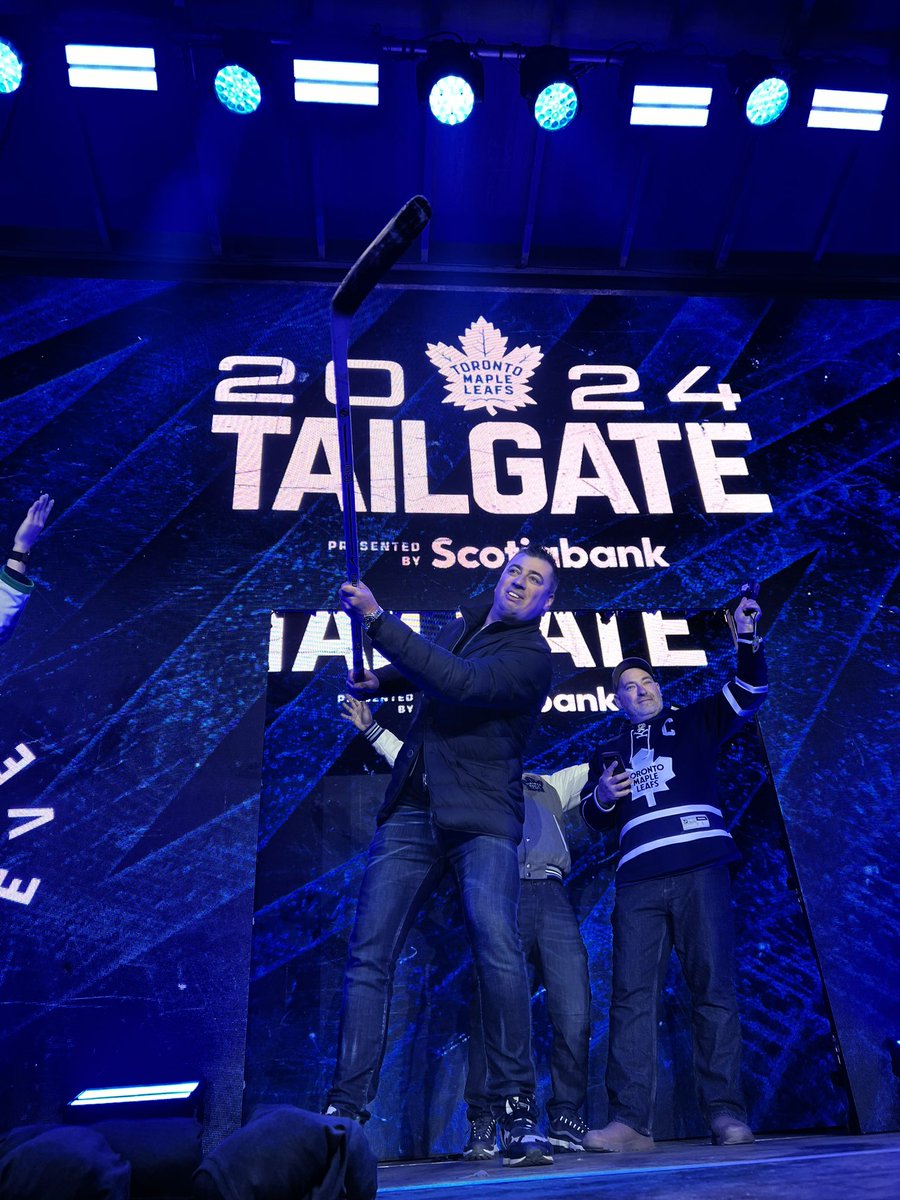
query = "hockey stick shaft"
{"x": 372, "y": 265}
{"x": 340, "y": 340}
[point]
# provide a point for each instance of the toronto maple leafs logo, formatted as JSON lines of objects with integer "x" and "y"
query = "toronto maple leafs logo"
{"x": 649, "y": 774}
{"x": 483, "y": 374}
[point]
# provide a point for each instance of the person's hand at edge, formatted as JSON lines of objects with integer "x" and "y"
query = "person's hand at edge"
{"x": 358, "y": 713}
{"x": 33, "y": 525}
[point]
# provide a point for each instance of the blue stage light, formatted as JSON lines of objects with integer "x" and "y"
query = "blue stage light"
{"x": 675, "y": 104}
{"x": 451, "y": 100}
{"x": 238, "y": 89}
{"x": 556, "y": 106}
{"x": 548, "y": 84}
{"x": 767, "y": 101}
{"x": 324, "y": 81}
{"x": 131, "y": 68}
{"x": 10, "y": 68}
{"x": 138, "y": 1094}
{"x": 839, "y": 108}
{"x": 137, "y": 1101}
{"x": 450, "y": 80}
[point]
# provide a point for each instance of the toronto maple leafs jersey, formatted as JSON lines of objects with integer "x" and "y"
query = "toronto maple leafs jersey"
{"x": 672, "y": 823}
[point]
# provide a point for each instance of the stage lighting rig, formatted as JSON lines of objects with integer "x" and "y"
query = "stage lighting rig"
{"x": 450, "y": 81}
{"x": 548, "y": 84}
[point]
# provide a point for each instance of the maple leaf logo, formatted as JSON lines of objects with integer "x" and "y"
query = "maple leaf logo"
{"x": 650, "y": 775}
{"x": 482, "y": 374}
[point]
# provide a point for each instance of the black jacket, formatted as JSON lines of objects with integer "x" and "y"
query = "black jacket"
{"x": 479, "y": 697}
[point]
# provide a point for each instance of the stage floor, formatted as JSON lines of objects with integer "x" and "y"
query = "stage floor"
{"x": 824, "y": 1167}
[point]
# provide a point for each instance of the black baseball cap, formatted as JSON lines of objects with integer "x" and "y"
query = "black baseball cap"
{"x": 626, "y": 665}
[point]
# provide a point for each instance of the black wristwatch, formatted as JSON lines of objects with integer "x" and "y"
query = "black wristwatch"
{"x": 370, "y": 618}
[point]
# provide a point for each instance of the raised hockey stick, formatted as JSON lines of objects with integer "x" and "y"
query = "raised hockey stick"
{"x": 372, "y": 265}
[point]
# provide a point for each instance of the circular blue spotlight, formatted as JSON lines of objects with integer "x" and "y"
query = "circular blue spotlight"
{"x": 10, "y": 68}
{"x": 767, "y": 101}
{"x": 451, "y": 100}
{"x": 555, "y": 106}
{"x": 238, "y": 90}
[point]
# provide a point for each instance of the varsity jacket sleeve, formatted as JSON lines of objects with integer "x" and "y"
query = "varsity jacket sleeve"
{"x": 386, "y": 743}
{"x": 568, "y": 784}
{"x": 518, "y": 674}
{"x": 14, "y": 592}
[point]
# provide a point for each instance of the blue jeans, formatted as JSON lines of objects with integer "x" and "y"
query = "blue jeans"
{"x": 691, "y": 912}
{"x": 407, "y": 858}
{"x": 552, "y": 941}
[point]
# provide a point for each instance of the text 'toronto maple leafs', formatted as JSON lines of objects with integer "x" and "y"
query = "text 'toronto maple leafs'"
{"x": 483, "y": 374}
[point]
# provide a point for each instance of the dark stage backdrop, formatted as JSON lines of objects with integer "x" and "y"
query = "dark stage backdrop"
{"x": 667, "y": 446}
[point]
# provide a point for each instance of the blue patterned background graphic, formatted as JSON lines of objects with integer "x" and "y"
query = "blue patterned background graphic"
{"x": 138, "y": 674}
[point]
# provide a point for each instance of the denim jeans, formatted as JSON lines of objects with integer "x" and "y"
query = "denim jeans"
{"x": 406, "y": 860}
{"x": 552, "y": 941}
{"x": 691, "y": 912}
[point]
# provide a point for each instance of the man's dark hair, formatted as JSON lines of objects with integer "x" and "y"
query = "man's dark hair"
{"x": 541, "y": 552}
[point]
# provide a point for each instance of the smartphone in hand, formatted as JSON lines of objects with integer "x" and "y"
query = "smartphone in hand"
{"x": 612, "y": 758}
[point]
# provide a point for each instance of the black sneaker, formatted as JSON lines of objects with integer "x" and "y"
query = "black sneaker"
{"x": 567, "y": 1131}
{"x": 482, "y": 1141}
{"x": 520, "y": 1141}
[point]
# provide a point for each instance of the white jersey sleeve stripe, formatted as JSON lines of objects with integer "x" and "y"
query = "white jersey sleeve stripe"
{"x": 732, "y": 700}
{"x": 748, "y": 687}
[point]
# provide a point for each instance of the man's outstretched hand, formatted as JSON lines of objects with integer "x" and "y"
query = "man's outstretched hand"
{"x": 33, "y": 525}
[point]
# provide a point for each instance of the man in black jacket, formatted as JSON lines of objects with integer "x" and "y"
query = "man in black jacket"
{"x": 551, "y": 939}
{"x": 454, "y": 801}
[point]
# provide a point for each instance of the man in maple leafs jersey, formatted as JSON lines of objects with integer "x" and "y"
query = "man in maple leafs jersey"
{"x": 673, "y": 888}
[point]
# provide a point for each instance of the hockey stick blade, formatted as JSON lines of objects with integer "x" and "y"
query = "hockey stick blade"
{"x": 378, "y": 258}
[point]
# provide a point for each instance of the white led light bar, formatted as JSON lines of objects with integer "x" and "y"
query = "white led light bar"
{"x": 137, "y": 1094}
{"x": 655, "y": 104}
{"x": 317, "y": 81}
{"x": 131, "y": 68}
{"x": 839, "y": 109}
